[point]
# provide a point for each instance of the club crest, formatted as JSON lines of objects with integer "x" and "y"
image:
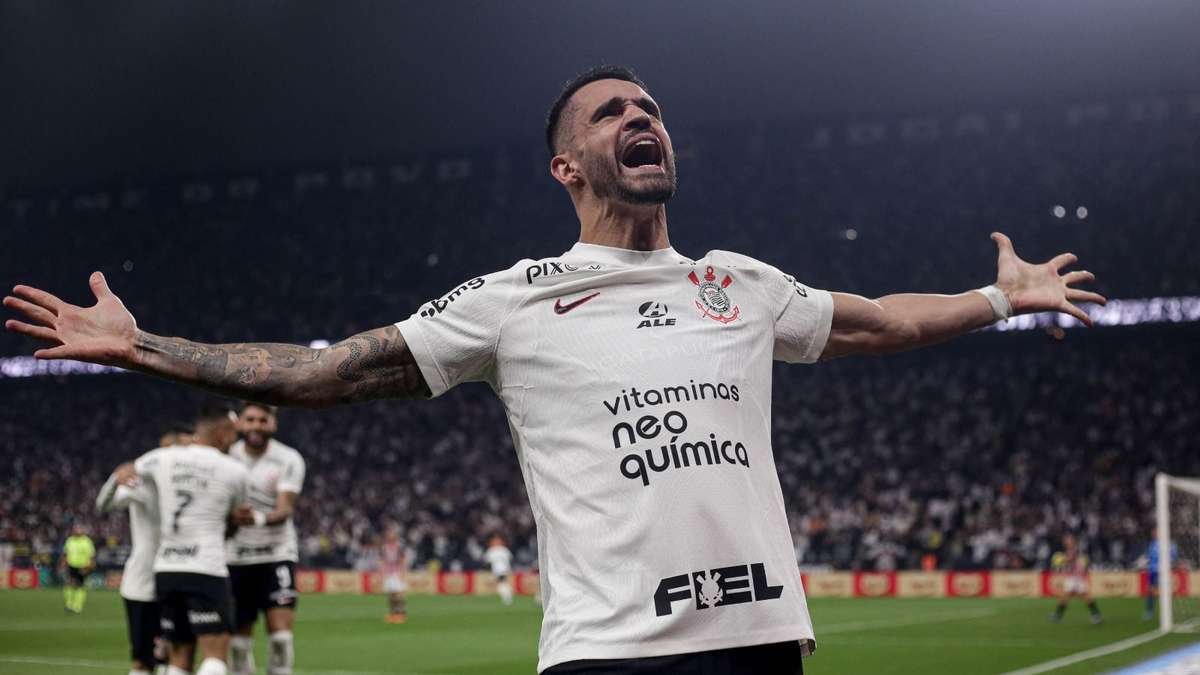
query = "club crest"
{"x": 711, "y": 298}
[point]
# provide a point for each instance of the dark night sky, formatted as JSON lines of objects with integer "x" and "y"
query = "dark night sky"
{"x": 93, "y": 91}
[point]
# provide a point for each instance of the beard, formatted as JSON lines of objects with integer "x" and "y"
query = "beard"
{"x": 609, "y": 182}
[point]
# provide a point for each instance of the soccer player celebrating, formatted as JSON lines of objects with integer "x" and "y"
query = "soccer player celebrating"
{"x": 499, "y": 558}
{"x": 123, "y": 489}
{"x": 78, "y": 561}
{"x": 198, "y": 488}
{"x": 1073, "y": 565}
{"x": 263, "y": 553}
{"x": 637, "y": 384}
{"x": 393, "y": 567}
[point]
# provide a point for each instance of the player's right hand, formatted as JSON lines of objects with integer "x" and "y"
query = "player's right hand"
{"x": 243, "y": 515}
{"x": 103, "y": 333}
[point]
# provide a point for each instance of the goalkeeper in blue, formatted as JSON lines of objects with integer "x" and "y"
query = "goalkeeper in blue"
{"x": 1150, "y": 561}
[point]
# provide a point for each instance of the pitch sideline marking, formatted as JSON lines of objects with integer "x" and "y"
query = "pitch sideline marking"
{"x": 1078, "y": 657}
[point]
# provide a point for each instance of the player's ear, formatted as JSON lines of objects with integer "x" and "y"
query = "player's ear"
{"x": 564, "y": 171}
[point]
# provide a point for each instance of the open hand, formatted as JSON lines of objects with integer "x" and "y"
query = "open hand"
{"x": 1040, "y": 288}
{"x": 103, "y": 333}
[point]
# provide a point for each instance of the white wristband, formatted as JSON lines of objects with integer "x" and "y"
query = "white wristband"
{"x": 1001, "y": 308}
{"x": 260, "y": 518}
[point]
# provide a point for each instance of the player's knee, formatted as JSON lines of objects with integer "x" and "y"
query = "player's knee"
{"x": 280, "y": 619}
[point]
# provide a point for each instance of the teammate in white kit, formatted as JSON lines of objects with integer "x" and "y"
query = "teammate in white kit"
{"x": 123, "y": 490}
{"x": 499, "y": 558}
{"x": 198, "y": 488}
{"x": 264, "y": 552}
{"x": 637, "y": 383}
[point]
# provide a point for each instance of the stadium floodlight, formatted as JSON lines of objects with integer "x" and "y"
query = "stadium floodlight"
{"x": 1177, "y": 514}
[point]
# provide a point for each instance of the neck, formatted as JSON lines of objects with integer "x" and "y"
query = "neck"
{"x": 255, "y": 450}
{"x": 628, "y": 226}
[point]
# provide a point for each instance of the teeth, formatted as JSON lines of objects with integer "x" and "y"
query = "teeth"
{"x": 645, "y": 142}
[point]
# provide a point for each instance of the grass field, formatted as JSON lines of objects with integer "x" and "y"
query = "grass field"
{"x": 345, "y": 635}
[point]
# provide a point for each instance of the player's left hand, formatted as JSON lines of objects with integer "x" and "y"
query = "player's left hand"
{"x": 1041, "y": 288}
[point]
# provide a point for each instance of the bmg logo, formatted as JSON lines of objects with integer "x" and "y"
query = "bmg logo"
{"x": 717, "y": 587}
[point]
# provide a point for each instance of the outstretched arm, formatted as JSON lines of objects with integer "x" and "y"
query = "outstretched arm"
{"x": 371, "y": 365}
{"x": 896, "y": 323}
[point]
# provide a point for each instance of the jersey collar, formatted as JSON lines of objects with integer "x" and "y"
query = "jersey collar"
{"x": 624, "y": 256}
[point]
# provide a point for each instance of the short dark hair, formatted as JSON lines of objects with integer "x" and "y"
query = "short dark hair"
{"x": 211, "y": 411}
{"x": 575, "y": 84}
{"x": 269, "y": 409}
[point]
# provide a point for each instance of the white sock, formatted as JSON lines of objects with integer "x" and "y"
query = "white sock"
{"x": 176, "y": 670}
{"x": 211, "y": 666}
{"x": 241, "y": 655}
{"x": 506, "y": 593}
{"x": 282, "y": 655}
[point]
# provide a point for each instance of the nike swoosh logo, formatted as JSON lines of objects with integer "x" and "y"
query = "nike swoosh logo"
{"x": 560, "y": 308}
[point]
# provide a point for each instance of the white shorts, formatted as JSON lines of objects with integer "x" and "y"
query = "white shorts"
{"x": 1074, "y": 585}
{"x": 393, "y": 583}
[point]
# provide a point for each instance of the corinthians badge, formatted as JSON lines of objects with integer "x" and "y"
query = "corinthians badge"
{"x": 711, "y": 298}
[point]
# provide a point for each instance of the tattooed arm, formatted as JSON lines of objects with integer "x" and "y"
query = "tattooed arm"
{"x": 371, "y": 365}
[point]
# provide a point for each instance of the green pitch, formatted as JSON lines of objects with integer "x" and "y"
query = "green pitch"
{"x": 346, "y": 635}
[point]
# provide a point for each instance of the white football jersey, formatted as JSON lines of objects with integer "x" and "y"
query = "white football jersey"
{"x": 137, "y": 577}
{"x": 198, "y": 487}
{"x": 279, "y": 469}
{"x": 637, "y": 387}
{"x": 500, "y": 559}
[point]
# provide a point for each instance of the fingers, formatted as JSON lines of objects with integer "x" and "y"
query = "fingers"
{"x": 49, "y": 301}
{"x": 1062, "y": 260}
{"x": 52, "y": 353}
{"x": 99, "y": 285}
{"x": 39, "y": 332}
{"x": 30, "y": 310}
{"x": 1077, "y": 313}
{"x": 1077, "y": 295}
{"x": 1004, "y": 244}
{"x": 1080, "y": 277}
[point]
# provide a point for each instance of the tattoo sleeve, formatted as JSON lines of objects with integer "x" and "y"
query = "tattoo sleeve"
{"x": 372, "y": 365}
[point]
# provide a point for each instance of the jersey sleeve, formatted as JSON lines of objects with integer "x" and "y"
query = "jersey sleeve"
{"x": 147, "y": 463}
{"x": 804, "y": 320}
{"x": 105, "y": 500}
{"x": 292, "y": 478}
{"x": 454, "y": 338}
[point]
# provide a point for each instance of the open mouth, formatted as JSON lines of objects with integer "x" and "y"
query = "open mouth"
{"x": 643, "y": 151}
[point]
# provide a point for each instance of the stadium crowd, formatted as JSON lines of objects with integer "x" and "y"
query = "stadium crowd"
{"x": 1036, "y": 436}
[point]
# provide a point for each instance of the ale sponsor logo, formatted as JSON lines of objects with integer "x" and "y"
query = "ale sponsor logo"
{"x": 654, "y": 315}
